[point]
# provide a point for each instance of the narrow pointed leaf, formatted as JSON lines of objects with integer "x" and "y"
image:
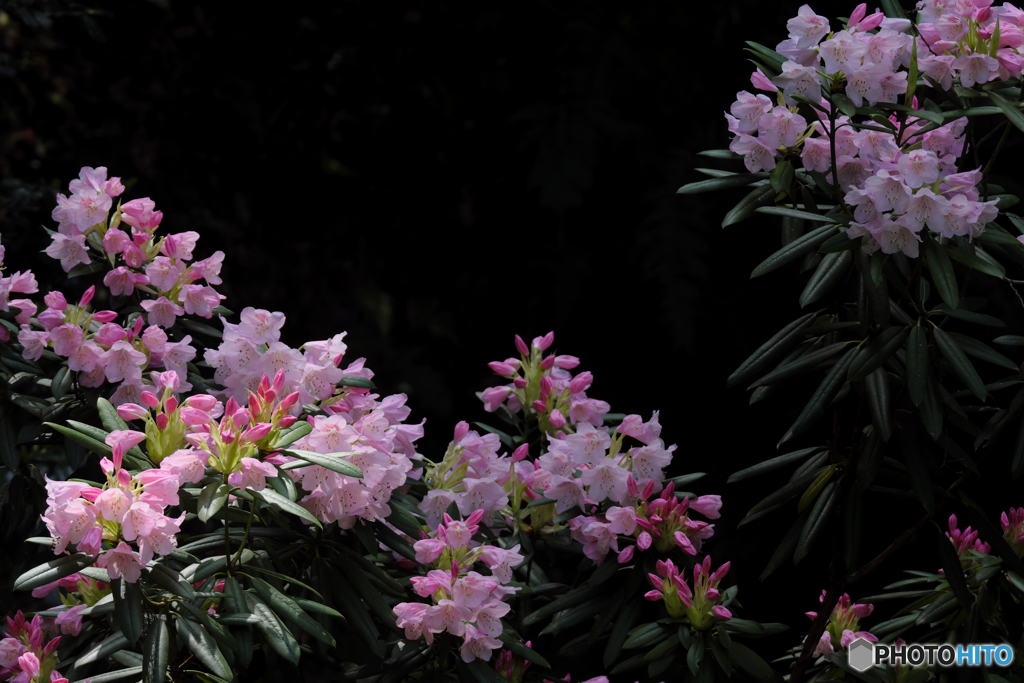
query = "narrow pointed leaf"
{"x": 202, "y": 645}
{"x": 917, "y": 470}
{"x": 981, "y": 262}
{"x": 1009, "y": 109}
{"x": 772, "y": 464}
{"x": 800, "y": 365}
{"x": 818, "y": 521}
{"x": 876, "y": 352}
{"x": 804, "y": 244}
{"x": 771, "y": 351}
{"x": 102, "y": 650}
{"x": 917, "y": 364}
{"x": 156, "y": 652}
{"x": 876, "y": 384}
{"x": 759, "y": 196}
{"x": 278, "y": 501}
{"x": 822, "y": 397}
{"x": 931, "y": 408}
{"x": 980, "y": 350}
{"x": 724, "y": 183}
{"x": 51, "y": 571}
{"x": 286, "y": 607}
{"x": 942, "y": 272}
{"x": 952, "y": 570}
{"x": 959, "y": 363}
{"x": 274, "y": 631}
{"x": 331, "y": 461}
{"x": 212, "y": 499}
{"x": 128, "y": 608}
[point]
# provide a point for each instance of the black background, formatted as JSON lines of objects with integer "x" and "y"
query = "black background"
{"x": 435, "y": 177}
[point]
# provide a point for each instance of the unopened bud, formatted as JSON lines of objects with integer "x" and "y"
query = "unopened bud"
{"x": 87, "y": 297}
{"x": 522, "y": 347}
{"x": 150, "y": 399}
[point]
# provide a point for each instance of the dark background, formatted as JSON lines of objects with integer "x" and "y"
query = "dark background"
{"x": 435, "y": 177}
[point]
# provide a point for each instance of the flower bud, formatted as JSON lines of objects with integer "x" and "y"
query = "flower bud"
{"x": 257, "y": 432}
{"x": 627, "y": 554}
{"x": 104, "y": 316}
{"x": 520, "y": 382}
{"x": 461, "y": 430}
{"x": 547, "y": 363}
{"x": 521, "y": 346}
{"x": 567, "y": 362}
{"x": 131, "y": 411}
{"x": 542, "y": 343}
{"x": 203, "y": 402}
{"x": 557, "y": 419}
{"x": 161, "y": 421}
{"x": 87, "y": 297}
{"x": 520, "y": 453}
{"x": 500, "y": 368}
{"x": 150, "y": 399}
{"x": 56, "y": 301}
{"x": 540, "y": 406}
{"x": 581, "y": 382}
{"x": 286, "y": 421}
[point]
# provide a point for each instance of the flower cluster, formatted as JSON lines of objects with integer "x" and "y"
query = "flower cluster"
{"x": 1013, "y": 529}
{"x": 972, "y": 42}
{"x": 965, "y": 540}
{"x": 369, "y": 434}
{"x": 126, "y": 509}
{"x": 101, "y": 350}
{"x": 897, "y": 176}
{"x": 16, "y": 283}
{"x": 465, "y": 603}
{"x": 544, "y": 387}
{"x": 23, "y": 657}
{"x": 663, "y": 522}
{"x": 699, "y": 605}
{"x": 472, "y": 474}
{"x": 842, "y": 625}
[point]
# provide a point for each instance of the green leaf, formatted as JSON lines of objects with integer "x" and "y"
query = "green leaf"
{"x": 800, "y": 365}
{"x": 286, "y": 607}
{"x": 212, "y": 499}
{"x": 828, "y": 273}
{"x": 201, "y": 644}
{"x": 971, "y": 316}
{"x": 51, "y": 571}
{"x": 821, "y": 398}
{"x": 620, "y": 630}
{"x": 101, "y": 650}
{"x": 772, "y": 464}
{"x": 912, "y": 77}
{"x": 200, "y": 328}
{"x": 942, "y": 272}
{"x": 981, "y": 351}
{"x": 787, "y": 492}
{"x": 293, "y": 434}
{"x": 917, "y": 364}
{"x": 97, "y": 447}
{"x": 796, "y": 213}
{"x": 574, "y": 597}
{"x": 818, "y": 521}
{"x": 274, "y": 630}
{"x": 357, "y": 381}
{"x": 348, "y": 602}
{"x": 962, "y": 367}
{"x": 331, "y": 461}
{"x": 931, "y": 408}
{"x": 116, "y": 675}
{"x": 871, "y": 452}
{"x": 404, "y": 521}
{"x": 393, "y": 541}
{"x": 1009, "y": 110}
{"x": 278, "y": 501}
{"x": 156, "y": 651}
{"x": 771, "y": 351}
{"x": 876, "y": 384}
{"x": 171, "y": 581}
{"x": 109, "y": 418}
{"x": 1009, "y": 340}
{"x": 374, "y": 600}
{"x": 724, "y": 183}
{"x": 128, "y": 608}
{"x": 61, "y": 383}
{"x": 979, "y": 261}
{"x": 758, "y": 197}
{"x": 794, "y": 250}
{"x": 750, "y": 663}
{"x": 875, "y": 353}
{"x": 576, "y": 615}
{"x": 782, "y": 176}
{"x": 719, "y": 154}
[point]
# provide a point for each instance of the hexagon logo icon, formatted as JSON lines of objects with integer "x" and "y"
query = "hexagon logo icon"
{"x": 861, "y": 654}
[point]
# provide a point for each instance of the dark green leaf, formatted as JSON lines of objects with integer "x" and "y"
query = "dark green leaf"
{"x": 61, "y": 383}
{"x": 971, "y": 316}
{"x": 917, "y": 470}
{"x": 170, "y": 581}
{"x": 795, "y": 213}
{"x": 9, "y": 454}
{"x": 771, "y": 351}
{"x": 758, "y": 197}
{"x": 521, "y": 650}
{"x": 872, "y": 449}
{"x": 794, "y": 250}
{"x": 620, "y": 630}
{"x": 51, "y": 571}
{"x": 128, "y": 608}
{"x": 201, "y": 644}
{"x": 751, "y": 664}
{"x": 212, "y": 499}
{"x": 348, "y": 602}
{"x": 98, "y": 447}
{"x": 374, "y": 600}
{"x": 331, "y": 461}
{"x": 800, "y": 365}
{"x": 1009, "y": 109}
{"x": 1009, "y": 340}
{"x": 286, "y": 608}
{"x": 962, "y": 367}
{"x": 772, "y": 464}
{"x": 278, "y": 501}
{"x": 781, "y": 176}
{"x": 724, "y": 183}
{"x": 931, "y": 408}
{"x": 274, "y": 630}
{"x": 876, "y": 384}
{"x": 293, "y": 434}
{"x": 200, "y": 328}
{"x": 357, "y": 381}
{"x": 101, "y": 650}
{"x": 942, "y": 272}
{"x": 917, "y": 364}
{"x": 821, "y": 398}
{"x": 819, "y": 520}
{"x": 981, "y": 351}
{"x": 979, "y": 261}
{"x": 875, "y": 353}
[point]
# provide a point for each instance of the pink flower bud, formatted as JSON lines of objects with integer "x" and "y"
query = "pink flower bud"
{"x": 655, "y": 580}
{"x": 161, "y": 421}
{"x": 684, "y": 543}
{"x": 721, "y": 612}
{"x": 670, "y": 491}
{"x": 581, "y": 382}
{"x": 547, "y": 363}
{"x": 557, "y": 419}
{"x": 500, "y": 368}
{"x": 520, "y": 453}
{"x": 567, "y": 362}
{"x": 171, "y": 405}
{"x": 871, "y": 22}
{"x": 278, "y": 384}
{"x": 257, "y": 432}
{"x": 131, "y": 411}
{"x": 521, "y": 346}
{"x": 723, "y": 570}
{"x": 474, "y": 518}
{"x": 653, "y": 596}
{"x": 288, "y": 401}
{"x": 542, "y": 343}
{"x": 194, "y": 416}
{"x": 203, "y": 402}
{"x": 648, "y": 490}
{"x": 857, "y": 14}
{"x": 627, "y": 554}
{"x": 286, "y": 421}
{"x": 118, "y": 453}
{"x": 539, "y": 406}
{"x": 150, "y": 399}
{"x": 241, "y": 418}
{"x": 138, "y": 326}
{"x": 56, "y": 301}
{"x": 631, "y": 485}
{"x": 461, "y": 430}
{"x": 87, "y": 297}
{"x": 104, "y": 316}
{"x": 520, "y": 382}
{"x": 762, "y": 82}
{"x": 643, "y": 541}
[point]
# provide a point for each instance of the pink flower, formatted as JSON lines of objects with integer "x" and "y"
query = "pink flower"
{"x": 807, "y": 28}
{"x": 253, "y": 475}
{"x": 162, "y": 311}
{"x": 70, "y": 620}
{"x": 69, "y": 250}
{"x": 199, "y": 300}
{"x": 477, "y": 645}
{"x": 121, "y": 561}
{"x": 122, "y": 281}
{"x": 140, "y": 214}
